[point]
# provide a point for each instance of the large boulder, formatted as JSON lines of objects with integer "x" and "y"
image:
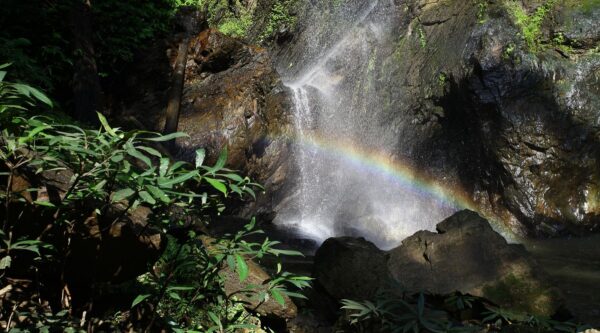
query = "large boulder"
{"x": 351, "y": 268}
{"x": 248, "y": 290}
{"x": 467, "y": 255}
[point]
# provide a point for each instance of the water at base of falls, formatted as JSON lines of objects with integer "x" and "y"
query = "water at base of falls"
{"x": 350, "y": 181}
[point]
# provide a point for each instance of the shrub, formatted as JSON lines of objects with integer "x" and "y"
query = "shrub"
{"x": 107, "y": 174}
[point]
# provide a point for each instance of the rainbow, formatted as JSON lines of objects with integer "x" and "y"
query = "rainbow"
{"x": 398, "y": 170}
{"x": 405, "y": 174}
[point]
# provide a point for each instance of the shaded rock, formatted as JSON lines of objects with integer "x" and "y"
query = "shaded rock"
{"x": 233, "y": 98}
{"x": 258, "y": 278}
{"x": 467, "y": 255}
{"x": 351, "y": 268}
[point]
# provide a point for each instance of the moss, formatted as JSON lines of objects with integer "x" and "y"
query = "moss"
{"x": 422, "y": 36}
{"x": 280, "y": 16}
{"x": 442, "y": 79}
{"x": 517, "y": 293}
{"x": 233, "y": 21}
{"x": 236, "y": 27}
{"x": 587, "y": 6}
{"x": 530, "y": 24}
{"x": 482, "y": 7}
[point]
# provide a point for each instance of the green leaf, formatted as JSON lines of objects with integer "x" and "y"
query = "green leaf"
{"x": 177, "y": 180}
{"x": 5, "y": 262}
{"x": 122, "y": 194}
{"x": 158, "y": 193}
{"x": 139, "y": 299}
{"x": 174, "y": 296}
{"x": 214, "y": 318}
{"x": 217, "y": 185}
{"x": 147, "y": 197}
{"x": 234, "y": 177}
{"x": 106, "y": 126}
{"x": 44, "y": 203}
{"x": 40, "y": 96}
{"x": 220, "y": 162}
{"x": 137, "y": 154}
{"x": 277, "y": 296}
{"x": 200, "y": 155}
{"x": 286, "y": 252}
{"x": 2, "y": 75}
{"x": 150, "y": 151}
{"x": 242, "y": 267}
{"x": 100, "y": 185}
{"x": 168, "y": 137}
{"x": 164, "y": 166}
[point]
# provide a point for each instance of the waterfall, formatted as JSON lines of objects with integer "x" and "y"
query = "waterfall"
{"x": 350, "y": 178}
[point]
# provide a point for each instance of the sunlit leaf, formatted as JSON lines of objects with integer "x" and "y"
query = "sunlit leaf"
{"x": 200, "y": 155}
{"x": 122, "y": 194}
{"x": 242, "y": 267}
{"x": 217, "y": 185}
{"x": 139, "y": 299}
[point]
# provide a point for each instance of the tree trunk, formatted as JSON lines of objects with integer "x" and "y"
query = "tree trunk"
{"x": 173, "y": 108}
{"x": 87, "y": 93}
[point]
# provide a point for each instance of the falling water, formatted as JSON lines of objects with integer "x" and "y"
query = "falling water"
{"x": 335, "y": 100}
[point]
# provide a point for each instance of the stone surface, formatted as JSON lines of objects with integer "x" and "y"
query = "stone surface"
{"x": 351, "y": 268}
{"x": 256, "y": 277}
{"x": 233, "y": 98}
{"x": 466, "y": 255}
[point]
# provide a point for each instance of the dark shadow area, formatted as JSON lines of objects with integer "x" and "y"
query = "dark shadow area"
{"x": 506, "y": 135}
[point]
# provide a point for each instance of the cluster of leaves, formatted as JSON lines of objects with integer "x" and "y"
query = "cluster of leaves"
{"x": 107, "y": 174}
{"x": 455, "y": 313}
{"x": 187, "y": 284}
{"x": 280, "y": 18}
{"x": 530, "y": 24}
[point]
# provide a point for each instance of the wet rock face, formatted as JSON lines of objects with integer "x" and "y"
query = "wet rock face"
{"x": 516, "y": 128}
{"x": 233, "y": 98}
{"x": 465, "y": 255}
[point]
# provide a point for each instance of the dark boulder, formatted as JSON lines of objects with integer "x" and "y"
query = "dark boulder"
{"x": 351, "y": 268}
{"x": 467, "y": 255}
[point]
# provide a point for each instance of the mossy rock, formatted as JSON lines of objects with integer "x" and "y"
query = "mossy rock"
{"x": 523, "y": 294}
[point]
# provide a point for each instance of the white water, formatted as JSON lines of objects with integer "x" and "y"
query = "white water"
{"x": 335, "y": 99}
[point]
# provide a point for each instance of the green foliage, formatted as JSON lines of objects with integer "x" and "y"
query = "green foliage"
{"x": 281, "y": 17}
{"x": 236, "y": 26}
{"x": 394, "y": 314}
{"x": 482, "y": 7}
{"x": 187, "y": 284}
{"x": 389, "y": 312}
{"x": 109, "y": 173}
{"x": 422, "y": 36}
{"x": 530, "y": 24}
{"x": 232, "y": 18}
